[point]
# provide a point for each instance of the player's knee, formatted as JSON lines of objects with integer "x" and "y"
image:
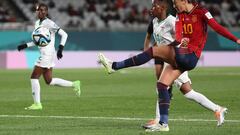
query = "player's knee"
{"x": 48, "y": 82}
{"x": 185, "y": 88}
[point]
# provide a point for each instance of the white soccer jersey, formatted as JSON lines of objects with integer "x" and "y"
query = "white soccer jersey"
{"x": 164, "y": 31}
{"x": 47, "y": 53}
{"x": 53, "y": 27}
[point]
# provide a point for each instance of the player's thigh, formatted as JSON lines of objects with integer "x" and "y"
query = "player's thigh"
{"x": 166, "y": 53}
{"x": 47, "y": 75}
{"x": 169, "y": 74}
{"x": 37, "y": 72}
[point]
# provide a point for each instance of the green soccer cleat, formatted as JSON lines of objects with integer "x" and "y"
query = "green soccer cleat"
{"x": 76, "y": 87}
{"x": 35, "y": 106}
{"x": 106, "y": 63}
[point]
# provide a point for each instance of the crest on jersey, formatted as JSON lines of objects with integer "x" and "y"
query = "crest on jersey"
{"x": 194, "y": 18}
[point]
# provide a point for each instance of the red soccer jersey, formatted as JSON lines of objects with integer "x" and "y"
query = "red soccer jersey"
{"x": 193, "y": 25}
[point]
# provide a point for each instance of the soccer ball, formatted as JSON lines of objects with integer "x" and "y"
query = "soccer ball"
{"x": 41, "y": 36}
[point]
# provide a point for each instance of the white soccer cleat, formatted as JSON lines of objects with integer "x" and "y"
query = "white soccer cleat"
{"x": 158, "y": 128}
{"x": 220, "y": 115}
{"x": 106, "y": 63}
{"x": 150, "y": 124}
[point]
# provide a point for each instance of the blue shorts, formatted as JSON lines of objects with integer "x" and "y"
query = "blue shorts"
{"x": 185, "y": 60}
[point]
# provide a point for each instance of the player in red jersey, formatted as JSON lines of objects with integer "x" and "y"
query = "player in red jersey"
{"x": 191, "y": 25}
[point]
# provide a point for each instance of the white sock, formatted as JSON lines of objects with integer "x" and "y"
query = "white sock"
{"x": 35, "y": 90}
{"x": 157, "y": 112}
{"x": 157, "y": 118}
{"x": 202, "y": 100}
{"x": 61, "y": 82}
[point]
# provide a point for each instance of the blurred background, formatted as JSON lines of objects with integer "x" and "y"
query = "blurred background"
{"x": 114, "y": 27}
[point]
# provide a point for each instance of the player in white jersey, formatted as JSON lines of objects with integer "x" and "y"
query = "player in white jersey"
{"x": 45, "y": 62}
{"x": 162, "y": 27}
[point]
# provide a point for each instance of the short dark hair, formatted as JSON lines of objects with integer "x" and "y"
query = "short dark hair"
{"x": 166, "y": 2}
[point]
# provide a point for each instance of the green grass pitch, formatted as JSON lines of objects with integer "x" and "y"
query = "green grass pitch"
{"x": 115, "y": 104}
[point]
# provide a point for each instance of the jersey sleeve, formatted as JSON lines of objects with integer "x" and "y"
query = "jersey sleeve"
{"x": 206, "y": 15}
{"x": 217, "y": 27}
{"x": 150, "y": 28}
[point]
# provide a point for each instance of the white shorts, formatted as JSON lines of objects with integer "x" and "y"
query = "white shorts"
{"x": 45, "y": 61}
{"x": 183, "y": 78}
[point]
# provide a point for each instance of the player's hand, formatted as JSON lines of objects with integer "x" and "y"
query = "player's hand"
{"x": 59, "y": 52}
{"x": 21, "y": 47}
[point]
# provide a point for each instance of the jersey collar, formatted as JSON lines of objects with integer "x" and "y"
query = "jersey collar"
{"x": 40, "y": 21}
{"x": 195, "y": 6}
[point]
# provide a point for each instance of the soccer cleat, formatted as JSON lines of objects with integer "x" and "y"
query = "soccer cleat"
{"x": 150, "y": 124}
{"x": 220, "y": 115}
{"x": 158, "y": 128}
{"x": 106, "y": 63}
{"x": 76, "y": 87}
{"x": 35, "y": 106}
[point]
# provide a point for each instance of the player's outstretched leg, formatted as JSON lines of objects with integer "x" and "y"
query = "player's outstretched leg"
{"x": 137, "y": 60}
{"x": 64, "y": 83}
{"x": 207, "y": 103}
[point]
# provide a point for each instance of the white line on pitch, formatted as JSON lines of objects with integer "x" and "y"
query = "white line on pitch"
{"x": 108, "y": 118}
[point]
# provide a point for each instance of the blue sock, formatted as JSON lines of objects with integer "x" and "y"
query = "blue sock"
{"x": 164, "y": 102}
{"x": 134, "y": 61}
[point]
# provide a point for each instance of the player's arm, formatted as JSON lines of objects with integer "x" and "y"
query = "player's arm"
{"x": 24, "y": 46}
{"x": 147, "y": 41}
{"x": 220, "y": 29}
{"x": 63, "y": 40}
{"x": 148, "y": 36}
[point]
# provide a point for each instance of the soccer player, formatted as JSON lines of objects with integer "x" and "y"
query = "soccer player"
{"x": 191, "y": 25}
{"x": 162, "y": 27}
{"x": 44, "y": 65}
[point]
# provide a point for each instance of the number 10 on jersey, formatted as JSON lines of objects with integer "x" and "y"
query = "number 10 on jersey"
{"x": 187, "y": 29}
